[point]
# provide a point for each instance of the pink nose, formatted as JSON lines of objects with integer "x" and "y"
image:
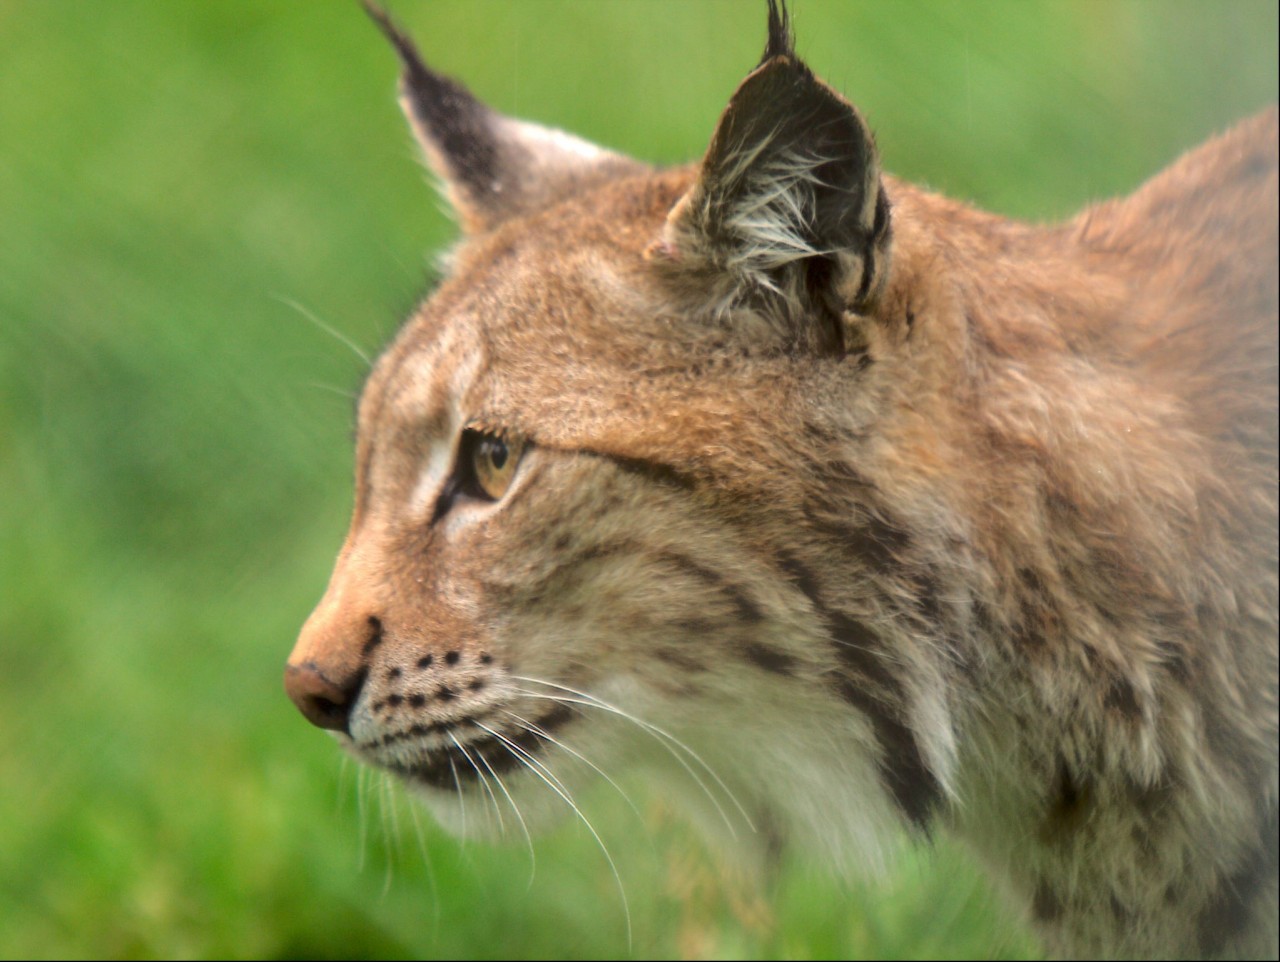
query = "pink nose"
{"x": 324, "y": 702}
{"x": 330, "y": 660}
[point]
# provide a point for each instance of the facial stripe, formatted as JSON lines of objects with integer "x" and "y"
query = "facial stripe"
{"x": 870, "y": 686}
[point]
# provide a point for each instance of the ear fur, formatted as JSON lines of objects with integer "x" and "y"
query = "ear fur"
{"x": 493, "y": 167}
{"x": 788, "y": 202}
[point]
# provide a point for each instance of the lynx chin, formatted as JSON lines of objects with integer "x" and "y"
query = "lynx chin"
{"x": 843, "y": 508}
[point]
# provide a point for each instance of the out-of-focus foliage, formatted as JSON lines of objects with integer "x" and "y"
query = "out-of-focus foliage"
{"x": 191, "y": 194}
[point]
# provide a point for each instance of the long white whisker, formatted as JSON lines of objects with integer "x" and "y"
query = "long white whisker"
{"x": 502, "y": 828}
{"x": 528, "y": 837}
{"x": 661, "y": 735}
{"x": 462, "y": 802}
{"x": 554, "y": 784}
{"x": 656, "y": 733}
{"x": 390, "y": 832}
{"x": 342, "y": 338}
{"x": 426, "y": 859}
{"x": 362, "y": 815}
{"x": 543, "y": 733}
{"x": 341, "y": 392}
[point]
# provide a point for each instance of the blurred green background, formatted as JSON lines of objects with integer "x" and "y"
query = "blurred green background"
{"x": 190, "y": 193}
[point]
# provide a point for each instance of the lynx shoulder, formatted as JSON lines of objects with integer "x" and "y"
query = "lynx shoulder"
{"x": 840, "y": 506}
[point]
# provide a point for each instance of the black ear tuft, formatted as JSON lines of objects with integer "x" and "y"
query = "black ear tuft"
{"x": 460, "y": 126}
{"x": 788, "y": 208}
{"x": 492, "y": 167}
{"x": 404, "y": 46}
{"x": 780, "y": 43}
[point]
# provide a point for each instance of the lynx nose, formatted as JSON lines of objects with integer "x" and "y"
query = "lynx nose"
{"x": 324, "y": 703}
{"x": 328, "y": 665}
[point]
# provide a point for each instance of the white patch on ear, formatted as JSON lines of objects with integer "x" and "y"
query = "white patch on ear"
{"x": 769, "y": 220}
{"x": 772, "y": 221}
{"x": 548, "y": 140}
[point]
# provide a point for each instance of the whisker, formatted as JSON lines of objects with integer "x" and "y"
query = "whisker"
{"x": 390, "y": 833}
{"x": 502, "y": 828}
{"x": 554, "y": 784}
{"x": 656, "y": 733}
{"x": 663, "y": 737}
{"x": 462, "y": 802}
{"x": 429, "y": 865}
{"x": 341, "y": 392}
{"x": 362, "y": 825}
{"x": 542, "y": 733}
{"x": 328, "y": 329}
{"x": 528, "y": 837}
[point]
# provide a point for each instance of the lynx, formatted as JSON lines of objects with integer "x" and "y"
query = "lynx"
{"x": 842, "y": 507}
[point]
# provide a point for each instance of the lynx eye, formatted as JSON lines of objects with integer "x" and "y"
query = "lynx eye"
{"x": 490, "y": 461}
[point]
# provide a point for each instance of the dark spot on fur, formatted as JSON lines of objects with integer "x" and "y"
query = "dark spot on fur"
{"x": 417, "y": 700}
{"x": 1031, "y": 579}
{"x": 486, "y": 658}
{"x": 475, "y": 684}
{"x": 844, "y": 473}
{"x": 926, "y": 593}
{"x": 445, "y": 693}
{"x": 694, "y": 626}
{"x": 394, "y": 701}
{"x": 452, "y": 657}
{"x": 770, "y": 659}
{"x": 393, "y": 673}
{"x": 375, "y": 634}
{"x": 800, "y": 576}
{"x": 1120, "y": 911}
{"x": 425, "y": 661}
{"x": 982, "y": 617}
{"x": 680, "y": 657}
{"x": 1174, "y": 657}
{"x": 1045, "y": 904}
{"x": 882, "y": 543}
{"x": 1070, "y": 803}
{"x": 1122, "y": 698}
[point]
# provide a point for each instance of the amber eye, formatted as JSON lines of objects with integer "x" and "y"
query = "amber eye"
{"x": 493, "y": 462}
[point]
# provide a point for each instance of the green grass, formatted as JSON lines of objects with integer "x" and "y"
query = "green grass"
{"x": 174, "y": 439}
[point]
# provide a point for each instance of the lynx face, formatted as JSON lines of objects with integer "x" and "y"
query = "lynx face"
{"x": 839, "y": 506}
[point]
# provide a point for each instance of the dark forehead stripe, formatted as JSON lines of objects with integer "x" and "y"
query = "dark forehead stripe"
{"x": 870, "y": 686}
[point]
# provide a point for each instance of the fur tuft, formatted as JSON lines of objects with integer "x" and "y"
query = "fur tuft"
{"x": 781, "y": 43}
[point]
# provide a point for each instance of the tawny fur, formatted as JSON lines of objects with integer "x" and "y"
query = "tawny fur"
{"x": 975, "y": 528}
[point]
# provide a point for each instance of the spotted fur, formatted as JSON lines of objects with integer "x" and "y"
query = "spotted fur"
{"x": 845, "y": 509}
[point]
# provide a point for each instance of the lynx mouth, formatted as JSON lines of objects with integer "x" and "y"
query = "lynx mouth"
{"x": 492, "y": 752}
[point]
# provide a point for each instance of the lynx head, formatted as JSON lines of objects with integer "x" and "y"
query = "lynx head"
{"x": 599, "y": 469}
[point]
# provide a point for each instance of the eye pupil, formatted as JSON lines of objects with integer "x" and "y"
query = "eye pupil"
{"x": 489, "y": 463}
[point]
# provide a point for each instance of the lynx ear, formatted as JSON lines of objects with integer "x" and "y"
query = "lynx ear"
{"x": 493, "y": 167}
{"x": 788, "y": 201}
